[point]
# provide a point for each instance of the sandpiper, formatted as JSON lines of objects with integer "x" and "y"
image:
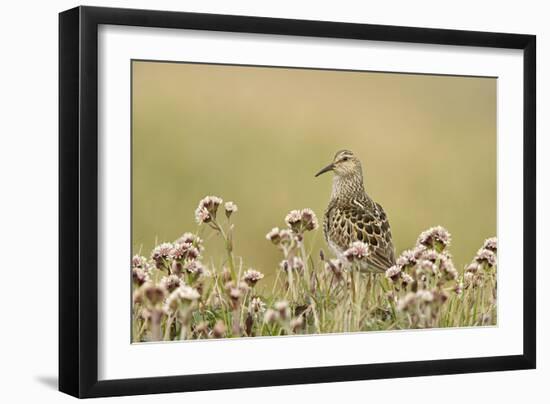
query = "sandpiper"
{"x": 353, "y": 216}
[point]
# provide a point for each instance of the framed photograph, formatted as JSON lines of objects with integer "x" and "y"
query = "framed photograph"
{"x": 250, "y": 201}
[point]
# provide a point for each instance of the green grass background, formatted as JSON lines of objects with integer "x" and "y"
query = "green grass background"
{"x": 257, "y": 135}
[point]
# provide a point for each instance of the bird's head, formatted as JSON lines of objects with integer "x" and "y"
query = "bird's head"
{"x": 345, "y": 164}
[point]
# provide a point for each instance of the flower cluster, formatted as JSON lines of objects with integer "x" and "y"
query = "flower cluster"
{"x": 236, "y": 292}
{"x": 420, "y": 277}
{"x": 281, "y": 237}
{"x": 230, "y": 208}
{"x": 483, "y": 264}
{"x": 419, "y": 301}
{"x": 169, "y": 284}
{"x": 190, "y": 238}
{"x": 291, "y": 242}
{"x": 300, "y": 221}
{"x": 153, "y": 294}
{"x": 175, "y": 297}
{"x": 207, "y": 209}
{"x": 184, "y": 251}
{"x": 437, "y": 238}
{"x": 183, "y": 295}
{"x": 280, "y": 311}
{"x": 490, "y": 244}
{"x": 140, "y": 270}
{"x": 161, "y": 252}
{"x": 180, "y": 257}
{"x": 422, "y": 267}
{"x": 294, "y": 263}
{"x": 251, "y": 277}
{"x": 257, "y": 305}
{"x": 139, "y": 261}
{"x": 357, "y": 252}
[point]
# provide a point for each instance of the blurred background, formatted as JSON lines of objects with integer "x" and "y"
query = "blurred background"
{"x": 257, "y": 136}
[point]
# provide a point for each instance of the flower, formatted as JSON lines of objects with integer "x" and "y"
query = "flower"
{"x": 188, "y": 293}
{"x": 140, "y": 276}
{"x": 473, "y": 267}
{"x": 274, "y": 235}
{"x": 405, "y": 302}
{"x": 161, "y": 252}
{"x": 436, "y": 237}
{"x": 271, "y": 316}
{"x": 422, "y": 296}
{"x": 293, "y": 219}
{"x": 490, "y": 244}
{"x": 139, "y": 261}
{"x": 419, "y": 251}
{"x": 425, "y": 267}
{"x": 446, "y": 265}
{"x": 302, "y": 220}
{"x": 202, "y": 215}
{"x": 251, "y": 277}
{"x": 155, "y": 294}
{"x": 176, "y": 268}
{"x": 425, "y": 295}
{"x": 182, "y": 294}
{"x": 194, "y": 267}
{"x": 171, "y": 303}
{"x": 459, "y": 287}
{"x": 357, "y": 251}
{"x": 286, "y": 237}
{"x": 207, "y": 209}
{"x": 309, "y": 220}
{"x": 257, "y": 305}
{"x": 235, "y": 292}
{"x": 284, "y": 265}
{"x": 184, "y": 251}
{"x": 170, "y": 282}
{"x": 486, "y": 257}
{"x": 230, "y": 208}
{"x": 406, "y": 259}
{"x": 407, "y": 279}
{"x": 430, "y": 255}
{"x": 192, "y": 253}
{"x": 179, "y": 251}
{"x": 393, "y": 273}
{"x": 282, "y": 308}
{"x": 471, "y": 279}
{"x": 189, "y": 238}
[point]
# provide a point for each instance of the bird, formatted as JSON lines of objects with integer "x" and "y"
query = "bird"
{"x": 352, "y": 215}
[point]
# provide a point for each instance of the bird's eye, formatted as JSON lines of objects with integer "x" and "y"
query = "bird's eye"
{"x": 345, "y": 159}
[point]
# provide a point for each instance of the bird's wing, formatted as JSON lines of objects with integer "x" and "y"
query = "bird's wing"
{"x": 360, "y": 223}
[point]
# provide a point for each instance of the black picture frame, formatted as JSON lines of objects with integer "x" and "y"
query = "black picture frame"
{"x": 78, "y": 200}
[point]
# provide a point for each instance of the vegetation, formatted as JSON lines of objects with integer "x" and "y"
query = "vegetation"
{"x": 176, "y": 297}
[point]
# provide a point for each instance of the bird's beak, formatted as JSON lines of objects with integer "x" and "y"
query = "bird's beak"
{"x": 330, "y": 167}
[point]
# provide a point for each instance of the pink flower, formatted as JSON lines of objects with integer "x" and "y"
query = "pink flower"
{"x": 357, "y": 251}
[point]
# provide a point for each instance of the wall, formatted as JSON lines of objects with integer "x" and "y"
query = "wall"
{"x": 28, "y": 206}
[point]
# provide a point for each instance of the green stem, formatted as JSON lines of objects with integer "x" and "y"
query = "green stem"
{"x": 228, "y": 248}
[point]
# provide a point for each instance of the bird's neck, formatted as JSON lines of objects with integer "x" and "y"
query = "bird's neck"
{"x": 347, "y": 188}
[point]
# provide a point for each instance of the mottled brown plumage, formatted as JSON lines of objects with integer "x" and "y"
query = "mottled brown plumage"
{"x": 352, "y": 215}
